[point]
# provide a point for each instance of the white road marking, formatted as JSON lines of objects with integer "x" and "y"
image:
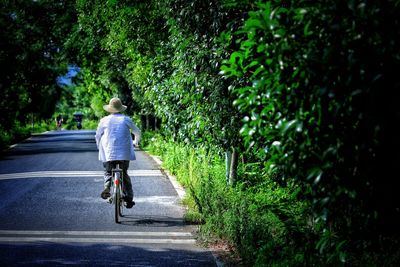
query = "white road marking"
{"x": 22, "y": 175}
{"x": 161, "y": 200}
{"x": 12, "y": 236}
{"x": 94, "y": 233}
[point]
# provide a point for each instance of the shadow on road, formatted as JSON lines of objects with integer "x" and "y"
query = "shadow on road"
{"x": 82, "y": 254}
{"x": 154, "y": 221}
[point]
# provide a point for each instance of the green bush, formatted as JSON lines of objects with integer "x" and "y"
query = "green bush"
{"x": 320, "y": 101}
{"x": 19, "y": 132}
{"x": 259, "y": 220}
{"x": 90, "y": 124}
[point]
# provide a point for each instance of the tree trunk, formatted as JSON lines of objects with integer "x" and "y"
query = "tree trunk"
{"x": 228, "y": 159}
{"x": 233, "y": 169}
{"x": 147, "y": 122}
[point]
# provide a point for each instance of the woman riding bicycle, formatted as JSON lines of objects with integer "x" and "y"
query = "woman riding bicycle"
{"x": 114, "y": 141}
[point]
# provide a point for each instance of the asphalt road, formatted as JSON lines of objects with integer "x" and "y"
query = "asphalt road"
{"x": 51, "y": 213}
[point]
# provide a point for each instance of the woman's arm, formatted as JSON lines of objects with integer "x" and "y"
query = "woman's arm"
{"x": 135, "y": 130}
{"x": 99, "y": 133}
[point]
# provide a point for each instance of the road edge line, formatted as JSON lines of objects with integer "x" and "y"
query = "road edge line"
{"x": 178, "y": 188}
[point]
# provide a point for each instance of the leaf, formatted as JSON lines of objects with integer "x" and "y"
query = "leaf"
{"x": 252, "y": 64}
{"x": 255, "y": 23}
{"x": 258, "y": 71}
{"x": 236, "y": 57}
{"x": 307, "y": 31}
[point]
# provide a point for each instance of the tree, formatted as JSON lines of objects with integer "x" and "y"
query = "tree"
{"x": 32, "y": 57}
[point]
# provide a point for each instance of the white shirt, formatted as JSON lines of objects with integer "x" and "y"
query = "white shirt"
{"x": 113, "y": 138}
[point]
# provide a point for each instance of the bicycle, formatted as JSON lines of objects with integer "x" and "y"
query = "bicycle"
{"x": 118, "y": 195}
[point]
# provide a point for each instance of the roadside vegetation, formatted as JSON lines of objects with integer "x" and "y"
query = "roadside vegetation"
{"x": 279, "y": 117}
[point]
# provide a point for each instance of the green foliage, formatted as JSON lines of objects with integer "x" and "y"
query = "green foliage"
{"x": 31, "y": 57}
{"x": 87, "y": 95}
{"x": 261, "y": 220}
{"x": 172, "y": 73}
{"x": 111, "y": 45}
{"x": 313, "y": 102}
{"x": 20, "y": 132}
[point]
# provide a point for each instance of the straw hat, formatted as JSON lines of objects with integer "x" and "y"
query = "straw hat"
{"x": 114, "y": 106}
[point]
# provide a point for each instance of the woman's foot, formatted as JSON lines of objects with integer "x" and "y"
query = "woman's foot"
{"x": 106, "y": 193}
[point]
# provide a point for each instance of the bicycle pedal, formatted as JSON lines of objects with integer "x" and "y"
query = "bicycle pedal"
{"x": 110, "y": 200}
